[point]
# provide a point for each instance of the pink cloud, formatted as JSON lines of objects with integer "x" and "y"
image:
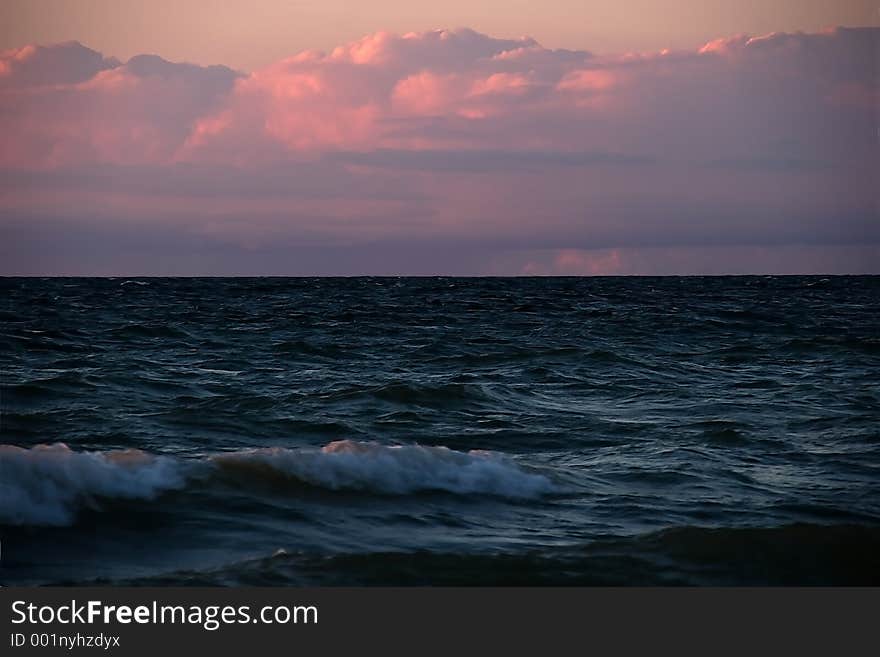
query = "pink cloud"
{"x": 575, "y": 262}
{"x": 66, "y": 105}
{"x": 710, "y": 261}
{"x": 733, "y": 97}
{"x": 460, "y": 138}
{"x": 41, "y": 66}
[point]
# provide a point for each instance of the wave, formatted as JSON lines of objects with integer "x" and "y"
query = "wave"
{"x": 49, "y": 484}
{"x": 787, "y": 555}
{"x": 396, "y": 469}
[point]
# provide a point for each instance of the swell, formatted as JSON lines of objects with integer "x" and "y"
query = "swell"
{"x": 49, "y": 484}
{"x": 796, "y": 554}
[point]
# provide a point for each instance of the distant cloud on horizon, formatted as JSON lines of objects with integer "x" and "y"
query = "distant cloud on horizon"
{"x": 446, "y": 152}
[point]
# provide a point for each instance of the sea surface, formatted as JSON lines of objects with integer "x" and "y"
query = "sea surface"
{"x": 443, "y": 431}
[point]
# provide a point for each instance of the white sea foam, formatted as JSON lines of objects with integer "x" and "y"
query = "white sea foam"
{"x": 48, "y": 484}
{"x": 402, "y": 469}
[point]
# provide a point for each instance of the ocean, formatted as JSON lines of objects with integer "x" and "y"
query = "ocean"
{"x": 440, "y": 431}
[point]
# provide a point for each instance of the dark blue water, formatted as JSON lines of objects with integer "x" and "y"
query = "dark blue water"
{"x": 721, "y": 430}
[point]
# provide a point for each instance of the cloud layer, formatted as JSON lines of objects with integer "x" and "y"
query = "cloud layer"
{"x": 494, "y": 155}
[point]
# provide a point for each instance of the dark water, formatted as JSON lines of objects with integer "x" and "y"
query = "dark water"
{"x": 441, "y": 431}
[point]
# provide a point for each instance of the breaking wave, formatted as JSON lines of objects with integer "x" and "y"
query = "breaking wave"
{"x": 48, "y": 484}
{"x": 395, "y": 470}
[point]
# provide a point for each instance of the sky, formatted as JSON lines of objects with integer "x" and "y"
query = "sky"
{"x": 456, "y": 138}
{"x": 248, "y": 35}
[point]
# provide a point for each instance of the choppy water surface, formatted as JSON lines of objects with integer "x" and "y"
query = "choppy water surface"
{"x": 439, "y": 430}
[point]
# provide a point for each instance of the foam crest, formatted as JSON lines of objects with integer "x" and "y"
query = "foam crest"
{"x": 399, "y": 470}
{"x": 48, "y": 484}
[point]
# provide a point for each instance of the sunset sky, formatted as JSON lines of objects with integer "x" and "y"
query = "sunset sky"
{"x": 472, "y": 138}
